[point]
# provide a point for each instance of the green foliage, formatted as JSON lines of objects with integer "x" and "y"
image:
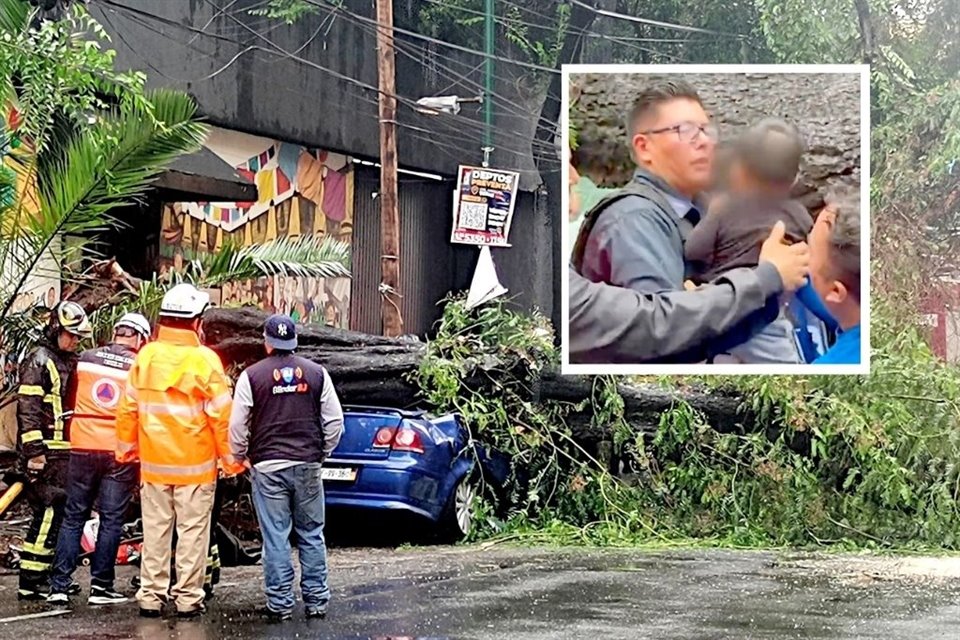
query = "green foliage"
{"x": 61, "y": 69}
{"x": 104, "y": 166}
{"x": 812, "y": 33}
{"x": 483, "y": 364}
{"x": 289, "y": 11}
{"x": 739, "y": 37}
{"x": 852, "y": 461}
{"x": 535, "y": 28}
{"x": 306, "y": 256}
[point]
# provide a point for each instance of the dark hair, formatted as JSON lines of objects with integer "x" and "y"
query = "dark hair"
{"x": 178, "y": 323}
{"x": 845, "y": 238}
{"x": 771, "y": 150}
{"x": 655, "y": 95}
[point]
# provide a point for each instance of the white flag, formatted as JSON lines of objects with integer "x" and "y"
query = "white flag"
{"x": 486, "y": 285}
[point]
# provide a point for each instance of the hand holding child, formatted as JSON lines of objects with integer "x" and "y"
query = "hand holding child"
{"x": 791, "y": 260}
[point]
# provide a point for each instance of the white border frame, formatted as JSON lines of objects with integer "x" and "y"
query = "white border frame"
{"x": 719, "y": 369}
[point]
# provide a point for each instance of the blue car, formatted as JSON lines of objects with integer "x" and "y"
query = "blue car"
{"x": 409, "y": 462}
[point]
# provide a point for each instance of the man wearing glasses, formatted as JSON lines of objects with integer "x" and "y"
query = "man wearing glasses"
{"x": 638, "y": 241}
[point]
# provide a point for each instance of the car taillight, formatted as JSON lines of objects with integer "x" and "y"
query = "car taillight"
{"x": 384, "y": 438}
{"x": 398, "y": 439}
{"x": 407, "y": 440}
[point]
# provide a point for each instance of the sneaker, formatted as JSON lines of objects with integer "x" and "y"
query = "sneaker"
{"x": 34, "y": 595}
{"x": 58, "y": 599}
{"x": 275, "y": 616}
{"x": 192, "y": 613}
{"x": 101, "y": 595}
{"x": 73, "y": 589}
{"x": 316, "y": 613}
{"x": 150, "y": 613}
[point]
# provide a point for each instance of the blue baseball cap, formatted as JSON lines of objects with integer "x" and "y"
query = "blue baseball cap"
{"x": 280, "y": 332}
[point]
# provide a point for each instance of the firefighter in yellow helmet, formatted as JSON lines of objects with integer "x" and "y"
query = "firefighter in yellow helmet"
{"x": 46, "y": 376}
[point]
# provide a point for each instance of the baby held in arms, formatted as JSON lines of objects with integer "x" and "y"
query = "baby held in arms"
{"x": 763, "y": 167}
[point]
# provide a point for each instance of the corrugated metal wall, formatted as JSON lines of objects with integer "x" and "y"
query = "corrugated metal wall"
{"x": 430, "y": 267}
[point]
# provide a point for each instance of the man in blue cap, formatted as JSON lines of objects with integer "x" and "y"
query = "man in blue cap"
{"x": 286, "y": 420}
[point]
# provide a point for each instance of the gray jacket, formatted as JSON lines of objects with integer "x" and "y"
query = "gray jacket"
{"x": 634, "y": 237}
{"x": 611, "y": 324}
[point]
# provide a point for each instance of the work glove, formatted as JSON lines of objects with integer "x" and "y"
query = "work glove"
{"x": 36, "y": 464}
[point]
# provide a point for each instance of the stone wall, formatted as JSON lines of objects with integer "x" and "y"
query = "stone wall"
{"x": 825, "y": 107}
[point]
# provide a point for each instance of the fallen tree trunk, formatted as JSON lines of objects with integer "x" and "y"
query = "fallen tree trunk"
{"x": 373, "y": 370}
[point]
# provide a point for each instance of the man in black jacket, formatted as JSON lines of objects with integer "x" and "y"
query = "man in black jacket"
{"x": 43, "y": 439}
{"x": 285, "y": 421}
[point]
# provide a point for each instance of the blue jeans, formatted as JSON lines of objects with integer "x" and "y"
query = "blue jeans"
{"x": 292, "y": 498}
{"x": 774, "y": 344}
{"x": 92, "y": 475}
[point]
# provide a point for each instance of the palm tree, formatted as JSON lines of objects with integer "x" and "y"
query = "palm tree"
{"x": 84, "y": 151}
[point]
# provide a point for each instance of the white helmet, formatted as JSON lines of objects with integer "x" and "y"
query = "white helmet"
{"x": 136, "y": 322}
{"x": 184, "y": 301}
{"x": 73, "y": 319}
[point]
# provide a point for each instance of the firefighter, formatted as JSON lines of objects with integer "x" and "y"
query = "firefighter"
{"x": 174, "y": 417}
{"x": 44, "y": 440}
{"x": 93, "y": 473}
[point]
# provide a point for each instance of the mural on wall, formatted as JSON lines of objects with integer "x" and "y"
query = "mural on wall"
{"x": 301, "y": 192}
{"x": 41, "y": 289}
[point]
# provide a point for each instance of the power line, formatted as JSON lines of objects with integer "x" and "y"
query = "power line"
{"x": 279, "y": 50}
{"x": 654, "y": 23}
{"x": 286, "y": 53}
{"x": 520, "y": 110}
{"x": 426, "y": 38}
{"x": 578, "y": 31}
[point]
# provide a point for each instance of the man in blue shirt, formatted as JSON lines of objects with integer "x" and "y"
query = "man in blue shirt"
{"x": 835, "y": 273}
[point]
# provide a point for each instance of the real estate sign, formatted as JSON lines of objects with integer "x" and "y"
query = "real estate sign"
{"x": 483, "y": 206}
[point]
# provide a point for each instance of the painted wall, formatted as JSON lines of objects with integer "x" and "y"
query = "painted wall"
{"x": 40, "y": 289}
{"x": 302, "y": 192}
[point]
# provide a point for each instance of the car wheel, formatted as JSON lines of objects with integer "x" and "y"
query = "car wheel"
{"x": 458, "y": 516}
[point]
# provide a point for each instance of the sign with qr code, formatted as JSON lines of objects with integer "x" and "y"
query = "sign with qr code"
{"x": 483, "y": 206}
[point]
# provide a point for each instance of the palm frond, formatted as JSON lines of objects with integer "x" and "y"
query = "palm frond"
{"x": 20, "y": 331}
{"x": 105, "y": 166}
{"x": 13, "y": 15}
{"x": 307, "y": 256}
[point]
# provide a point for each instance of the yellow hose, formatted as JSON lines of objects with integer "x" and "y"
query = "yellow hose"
{"x": 10, "y": 495}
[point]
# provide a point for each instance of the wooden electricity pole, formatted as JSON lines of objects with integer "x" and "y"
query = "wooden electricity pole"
{"x": 389, "y": 214}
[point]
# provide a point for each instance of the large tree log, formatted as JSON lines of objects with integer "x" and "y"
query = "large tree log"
{"x": 373, "y": 370}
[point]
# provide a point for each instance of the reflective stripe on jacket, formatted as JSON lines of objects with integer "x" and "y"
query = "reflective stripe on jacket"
{"x": 45, "y": 377}
{"x": 101, "y": 377}
{"x": 175, "y": 411}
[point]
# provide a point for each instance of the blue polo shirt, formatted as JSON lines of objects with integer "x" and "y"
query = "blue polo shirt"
{"x": 846, "y": 350}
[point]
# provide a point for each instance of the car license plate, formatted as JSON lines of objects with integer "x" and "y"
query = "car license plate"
{"x": 338, "y": 473}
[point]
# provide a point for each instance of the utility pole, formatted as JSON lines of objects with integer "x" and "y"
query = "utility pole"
{"x": 392, "y": 323}
{"x": 488, "y": 82}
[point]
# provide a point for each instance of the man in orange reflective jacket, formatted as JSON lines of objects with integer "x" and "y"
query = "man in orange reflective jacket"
{"x": 174, "y": 417}
{"x": 93, "y": 474}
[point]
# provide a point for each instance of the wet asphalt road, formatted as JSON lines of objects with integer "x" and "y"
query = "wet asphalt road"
{"x": 533, "y": 594}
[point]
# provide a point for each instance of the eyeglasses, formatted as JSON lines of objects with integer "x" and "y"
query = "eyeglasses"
{"x": 687, "y": 131}
{"x": 125, "y": 332}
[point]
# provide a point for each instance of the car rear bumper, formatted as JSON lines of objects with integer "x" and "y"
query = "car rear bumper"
{"x": 386, "y": 485}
